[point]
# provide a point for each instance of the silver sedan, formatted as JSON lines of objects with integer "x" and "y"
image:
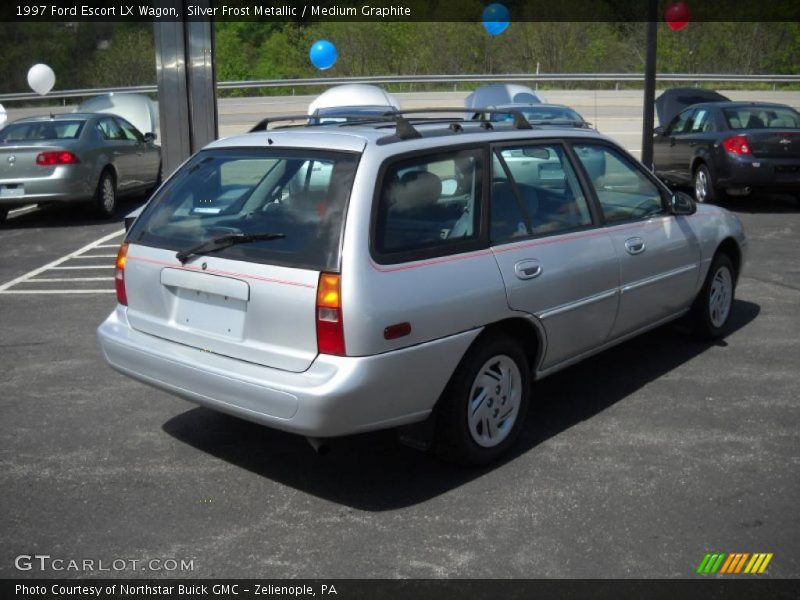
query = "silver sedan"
{"x": 75, "y": 158}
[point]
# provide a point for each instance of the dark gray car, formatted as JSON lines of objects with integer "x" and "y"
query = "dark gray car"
{"x": 730, "y": 148}
{"x": 75, "y": 158}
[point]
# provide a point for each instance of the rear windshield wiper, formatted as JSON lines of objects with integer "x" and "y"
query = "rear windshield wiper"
{"x": 225, "y": 241}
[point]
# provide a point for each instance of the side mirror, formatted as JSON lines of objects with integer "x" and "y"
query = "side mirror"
{"x": 658, "y": 130}
{"x": 682, "y": 204}
{"x": 150, "y": 137}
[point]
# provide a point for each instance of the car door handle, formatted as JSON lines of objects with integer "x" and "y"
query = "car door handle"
{"x": 527, "y": 269}
{"x": 635, "y": 245}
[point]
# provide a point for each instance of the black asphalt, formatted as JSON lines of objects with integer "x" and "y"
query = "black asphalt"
{"x": 633, "y": 464}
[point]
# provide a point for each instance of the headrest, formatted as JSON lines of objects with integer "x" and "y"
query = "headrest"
{"x": 416, "y": 189}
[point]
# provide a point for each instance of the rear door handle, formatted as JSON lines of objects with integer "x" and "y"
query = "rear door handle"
{"x": 635, "y": 245}
{"x": 527, "y": 269}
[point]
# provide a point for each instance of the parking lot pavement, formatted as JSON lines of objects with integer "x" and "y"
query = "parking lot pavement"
{"x": 633, "y": 464}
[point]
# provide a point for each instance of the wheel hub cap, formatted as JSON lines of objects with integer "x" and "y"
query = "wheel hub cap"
{"x": 700, "y": 186}
{"x": 494, "y": 401}
{"x": 720, "y": 297}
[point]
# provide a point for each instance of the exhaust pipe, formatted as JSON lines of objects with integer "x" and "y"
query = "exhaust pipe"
{"x": 321, "y": 447}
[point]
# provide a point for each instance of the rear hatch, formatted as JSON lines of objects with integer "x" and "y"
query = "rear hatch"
{"x": 254, "y": 300}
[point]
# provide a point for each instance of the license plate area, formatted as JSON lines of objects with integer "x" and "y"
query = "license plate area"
{"x": 207, "y": 304}
{"x": 13, "y": 190}
{"x": 208, "y": 313}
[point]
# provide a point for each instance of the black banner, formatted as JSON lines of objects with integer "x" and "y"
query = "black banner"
{"x": 354, "y": 589}
{"x": 387, "y": 10}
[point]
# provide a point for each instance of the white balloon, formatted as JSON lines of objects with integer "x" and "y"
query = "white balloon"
{"x": 41, "y": 79}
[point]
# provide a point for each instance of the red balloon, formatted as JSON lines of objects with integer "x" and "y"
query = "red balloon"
{"x": 677, "y": 16}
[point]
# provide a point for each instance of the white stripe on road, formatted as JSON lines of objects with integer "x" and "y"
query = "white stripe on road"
{"x": 96, "y": 256}
{"x": 79, "y": 268}
{"x": 54, "y": 265}
{"x": 62, "y": 279}
{"x": 24, "y": 209}
{"x": 107, "y": 246}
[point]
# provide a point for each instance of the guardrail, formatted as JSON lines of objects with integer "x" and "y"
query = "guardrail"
{"x": 448, "y": 79}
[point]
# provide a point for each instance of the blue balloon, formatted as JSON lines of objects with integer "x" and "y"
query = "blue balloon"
{"x": 323, "y": 54}
{"x": 496, "y": 19}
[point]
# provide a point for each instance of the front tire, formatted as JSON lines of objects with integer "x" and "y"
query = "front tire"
{"x": 704, "y": 189}
{"x": 483, "y": 407}
{"x": 3, "y": 215}
{"x": 713, "y": 306}
{"x": 105, "y": 197}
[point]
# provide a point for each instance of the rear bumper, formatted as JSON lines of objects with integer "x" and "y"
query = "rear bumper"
{"x": 335, "y": 396}
{"x": 64, "y": 184}
{"x": 775, "y": 174}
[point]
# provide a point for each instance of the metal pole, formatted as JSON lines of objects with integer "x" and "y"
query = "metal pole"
{"x": 650, "y": 84}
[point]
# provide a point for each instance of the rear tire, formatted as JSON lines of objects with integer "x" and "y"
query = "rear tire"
{"x": 483, "y": 408}
{"x": 105, "y": 197}
{"x": 3, "y": 215}
{"x": 704, "y": 189}
{"x": 711, "y": 311}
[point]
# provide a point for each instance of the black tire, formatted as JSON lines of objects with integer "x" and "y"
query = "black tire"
{"x": 105, "y": 197}
{"x": 706, "y": 316}
{"x": 502, "y": 411}
{"x": 3, "y": 215}
{"x": 704, "y": 187}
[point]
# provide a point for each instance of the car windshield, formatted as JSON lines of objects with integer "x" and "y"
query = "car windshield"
{"x": 541, "y": 114}
{"x": 300, "y": 193}
{"x": 762, "y": 117}
{"x": 41, "y": 130}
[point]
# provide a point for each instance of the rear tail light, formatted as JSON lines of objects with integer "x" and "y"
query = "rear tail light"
{"x": 737, "y": 144}
{"x": 59, "y": 157}
{"x": 330, "y": 331}
{"x": 119, "y": 274}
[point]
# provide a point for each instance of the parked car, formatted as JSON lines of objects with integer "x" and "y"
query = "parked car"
{"x": 425, "y": 284}
{"x": 342, "y": 103}
{"x": 723, "y": 147}
{"x": 502, "y": 94}
{"x": 556, "y": 115}
{"x": 75, "y": 158}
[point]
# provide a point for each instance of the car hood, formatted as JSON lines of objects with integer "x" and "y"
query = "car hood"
{"x": 137, "y": 109}
{"x": 355, "y": 94}
{"x": 502, "y": 94}
{"x": 674, "y": 100}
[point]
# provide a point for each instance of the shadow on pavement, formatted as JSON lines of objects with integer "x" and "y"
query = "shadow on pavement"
{"x": 374, "y": 472}
{"x": 70, "y": 215}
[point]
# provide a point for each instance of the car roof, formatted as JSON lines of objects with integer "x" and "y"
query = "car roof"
{"x": 357, "y": 137}
{"x": 57, "y": 117}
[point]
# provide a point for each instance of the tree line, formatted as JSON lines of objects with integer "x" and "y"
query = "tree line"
{"x": 122, "y": 54}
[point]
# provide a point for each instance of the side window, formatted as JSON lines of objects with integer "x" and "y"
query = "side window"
{"x": 623, "y": 190}
{"x": 682, "y": 123}
{"x": 110, "y": 130}
{"x": 129, "y": 131}
{"x": 702, "y": 121}
{"x": 542, "y": 196}
{"x": 429, "y": 201}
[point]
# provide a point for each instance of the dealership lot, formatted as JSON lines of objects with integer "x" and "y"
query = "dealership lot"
{"x": 633, "y": 464}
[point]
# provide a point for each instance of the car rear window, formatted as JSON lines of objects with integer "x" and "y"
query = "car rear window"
{"x": 41, "y": 130}
{"x": 300, "y": 194}
{"x": 762, "y": 117}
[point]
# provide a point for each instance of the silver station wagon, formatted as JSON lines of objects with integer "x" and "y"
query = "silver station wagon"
{"x": 410, "y": 272}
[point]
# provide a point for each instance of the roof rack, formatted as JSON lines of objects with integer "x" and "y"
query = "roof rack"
{"x": 404, "y": 129}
